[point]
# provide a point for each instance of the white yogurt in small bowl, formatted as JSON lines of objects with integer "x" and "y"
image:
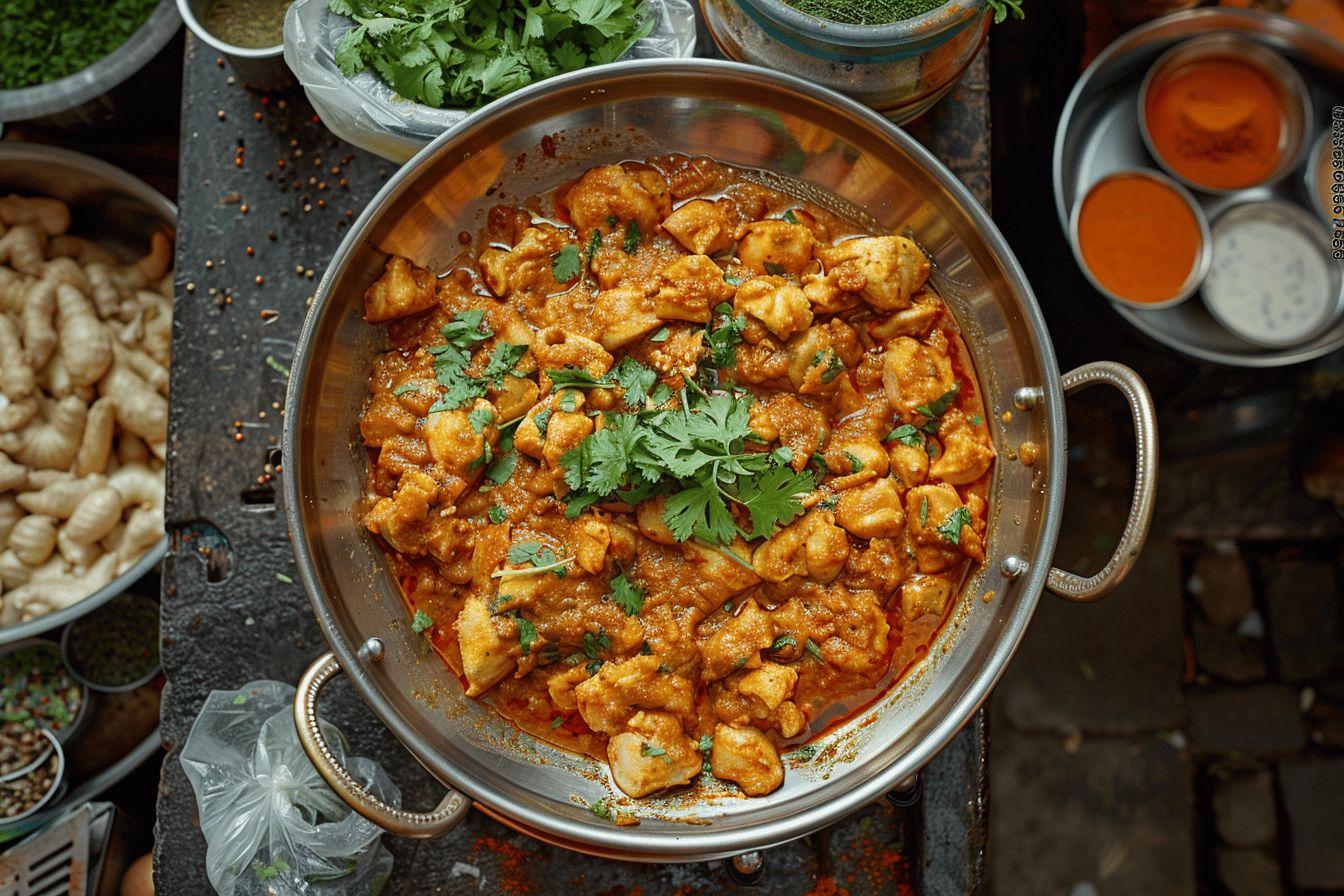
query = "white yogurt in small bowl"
{"x": 1273, "y": 281}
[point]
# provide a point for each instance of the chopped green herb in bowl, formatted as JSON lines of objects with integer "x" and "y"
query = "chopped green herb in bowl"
{"x": 45, "y": 40}
{"x": 37, "y": 690}
{"x": 464, "y": 53}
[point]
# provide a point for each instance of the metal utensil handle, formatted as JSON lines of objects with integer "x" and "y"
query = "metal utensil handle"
{"x": 1074, "y": 587}
{"x": 420, "y": 825}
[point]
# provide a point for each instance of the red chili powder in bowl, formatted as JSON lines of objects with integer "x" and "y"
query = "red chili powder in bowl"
{"x": 1217, "y": 122}
{"x": 1139, "y": 238}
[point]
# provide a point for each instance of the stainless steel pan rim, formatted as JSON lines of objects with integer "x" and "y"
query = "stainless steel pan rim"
{"x": 691, "y": 841}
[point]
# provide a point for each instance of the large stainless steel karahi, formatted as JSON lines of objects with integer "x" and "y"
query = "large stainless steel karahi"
{"x": 799, "y": 134}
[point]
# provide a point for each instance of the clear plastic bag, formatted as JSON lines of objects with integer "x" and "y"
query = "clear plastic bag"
{"x": 272, "y": 826}
{"x": 364, "y": 111}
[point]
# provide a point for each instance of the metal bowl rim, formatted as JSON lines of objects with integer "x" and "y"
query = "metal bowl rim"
{"x": 923, "y": 27}
{"x": 1202, "y": 262}
{"x": 1209, "y": 17}
{"x": 695, "y": 842}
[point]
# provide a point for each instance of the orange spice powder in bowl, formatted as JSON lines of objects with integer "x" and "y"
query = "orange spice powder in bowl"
{"x": 1141, "y": 239}
{"x": 1221, "y": 114}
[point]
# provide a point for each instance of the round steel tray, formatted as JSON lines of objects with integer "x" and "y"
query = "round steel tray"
{"x": 1099, "y": 133}
{"x": 116, "y": 208}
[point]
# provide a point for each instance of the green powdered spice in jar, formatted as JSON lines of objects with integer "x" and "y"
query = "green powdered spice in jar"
{"x": 116, "y": 644}
{"x": 865, "y": 12}
{"x": 256, "y": 24}
{"x": 37, "y": 689}
{"x": 45, "y": 40}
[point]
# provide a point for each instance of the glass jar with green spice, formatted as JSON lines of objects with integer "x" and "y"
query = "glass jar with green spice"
{"x": 897, "y": 56}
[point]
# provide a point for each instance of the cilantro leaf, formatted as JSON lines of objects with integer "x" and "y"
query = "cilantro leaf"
{"x": 934, "y": 412}
{"x": 632, "y": 238}
{"x": 660, "y": 335}
{"x": 628, "y": 596}
{"x": 480, "y": 418}
{"x": 636, "y": 379}
{"x": 498, "y": 514}
{"x": 421, "y": 621}
{"x": 527, "y": 632}
{"x": 774, "y": 498}
{"x": 566, "y": 264}
{"x": 503, "y": 358}
{"x": 811, "y": 647}
{"x": 924, "y": 513}
{"x": 500, "y": 471}
{"x": 784, "y": 641}
{"x": 951, "y": 527}
{"x": 906, "y": 434}
{"x": 724, "y": 339}
{"x": 790, "y": 217}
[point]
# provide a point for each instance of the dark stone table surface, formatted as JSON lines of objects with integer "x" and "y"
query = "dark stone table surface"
{"x": 265, "y": 194}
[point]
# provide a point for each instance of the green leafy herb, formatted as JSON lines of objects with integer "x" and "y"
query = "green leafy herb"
{"x": 594, "y": 243}
{"x": 421, "y": 621}
{"x": 660, "y": 335}
{"x": 480, "y": 418}
{"x": 537, "y": 555}
{"x": 405, "y": 388}
{"x": 47, "y": 40}
{"x": 829, "y": 503}
{"x": 527, "y": 633}
{"x": 784, "y": 641}
{"x": 834, "y": 366}
{"x": 811, "y": 647}
{"x": 498, "y": 514}
{"x": 463, "y": 53}
{"x": 806, "y": 753}
{"x": 976, "y": 420}
{"x": 733, "y": 280}
{"x": 706, "y": 743}
{"x": 567, "y": 401}
{"x": 951, "y": 527}
{"x": 924, "y": 513}
{"x": 906, "y": 434}
{"x": 632, "y": 238}
{"x": 502, "y": 468}
{"x": 542, "y": 420}
{"x": 724, "y": 338}
{"x": 627, "y": 595}
{"x": 933, "y": 412}
{"x": 1005, "y": 8}
{"x": 855, "y": 465}
{"x": 648, "y": 749}
{"x": 566, "y": 264}
{"x": 600, "y": 809}
{"x": 636, "y": 379}
{"x": 453, "y": 356}
{"x": 557, "y": 722}
{"x": 503, "y": 358}
{"x": 790, "y": 217}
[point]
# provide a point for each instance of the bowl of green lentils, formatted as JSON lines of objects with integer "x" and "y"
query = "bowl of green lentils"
{"x": 115, "y": 648}
{"x": 62, "y": 58}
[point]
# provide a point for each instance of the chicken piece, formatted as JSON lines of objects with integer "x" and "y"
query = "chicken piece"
{"x": 775, "y": 247}
{"x": 556, "y": 349}
{"x": 593, "y": 537}
{"x": 932, "y": 512}
{"x": 893, "y": 268}
{"x": 514, "y": 398}
{"x": 917, "y": 320}
{"x": 821, "y": 357}
{"x": 624, "y": 314}
{"x": 881, "y": 567}
{"x": 738, "y": 642}
{"x": 914, "y": 374}
{"x": 456, "y": 442}
{"x": 923, "y": 594}
{"x": 857, "y": 454}
{"x": 649, "y": 518}
{"x": 701, "y": 226}
{"x": 849, "y": 626}
{"x": 967, "y": 453}
{"x": 403, "y": 289}
{"x": 909, "y": 464}
{"x": 560, "y": 685}
{"x": 689, "y": 287}
{"x": 637, "y": 193}
{"x": 527, "y": 266}
{"x": 835, "y": 290}
{"x": 813, "y": 546}
{"x": 564, "y": 432}
{"x": 401, "y": 519}
{"x": 798, "y": 427}
{"x": 746, "y": 757}
{"x": 488, "y": 645}
{"x": 790, "y": 719}
{"x": 619, "y": 690}
{"x": 775, "y": 302}
{"x": 680, "y": 354}
{"x": 871, "y": 511}
{"x": 654, "y": 754}
{"x": 772, "y": 684}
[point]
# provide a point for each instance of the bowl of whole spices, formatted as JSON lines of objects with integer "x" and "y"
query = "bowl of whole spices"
{"x": 38, "y": 691}
{"x": 116, "y": 647}
{"x": 32, "y": 787}
{"x": 63, "y": 58}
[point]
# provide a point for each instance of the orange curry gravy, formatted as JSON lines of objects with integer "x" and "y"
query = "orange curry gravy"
{"x": 600, "y": 629}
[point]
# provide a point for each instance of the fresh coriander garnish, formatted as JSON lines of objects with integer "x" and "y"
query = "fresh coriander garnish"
{"x": 593, "y": 645}
{"x": 811, "y": 647}
{"x": 503, "y": 357}
{"x": 934, "y": 412}
{"x": 784, "y": 641}
{"x": 527, "y": 632}
{"x": 976, "y": 420}
{"x": 733, "y": 280}
{"x": 503, "y": 467}
{"x": 790, "y": 217}
{"x": 648, "y": 749}
{"x": 453, "y": 356}
{"x": 567, "y": 401}
{"x": 480, "y": 418}
{"x": 830, "y": 502}
{"x": 601, "y": 809}
{"x": 723, "y": 335}
{"x": 635, "y": 379}
{"x": 834, "y": 366}
{"x": 627, "y": 595}
{"x": 924, "y": 513}
{"x": 951, "y": 527}
{"x": 542, "y": 420}
{"x": 405, "y": 388}
{"x": 566, "y": 264}
{"x": 594, "y": 243}
{"x": 632, "y": 238}
{"x": 806, "y": 753}
{"x": 706, "y": 743}
{"x": 660, "y": 335}
{"x": 498, "y": 514}
{"x": 906, "y": 434}
{"x": 536, "y": 555}
{"x": 855, "y": 465}
{"x": 557, "y": 722}
{"x": 421, "y": 621}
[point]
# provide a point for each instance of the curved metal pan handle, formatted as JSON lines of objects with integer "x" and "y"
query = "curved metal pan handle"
{"x": 1074, "y": 587}
{"x": 421, "y": 825}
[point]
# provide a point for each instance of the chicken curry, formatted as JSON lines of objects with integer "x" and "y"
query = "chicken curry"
{"x": 673, "y": 469}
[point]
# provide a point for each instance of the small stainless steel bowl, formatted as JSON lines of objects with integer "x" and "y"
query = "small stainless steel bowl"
{"x": 1301, "y": 220}
{"x": 1324, "y": 201}
{"x": 1202, "y": 262}
{"x": 57, "y": 780}
{"x": 71, "y": 731}
{"x": 260, "y": 67}
{"x": 89, "y": 683}
{"x": 1292, "y": 90}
